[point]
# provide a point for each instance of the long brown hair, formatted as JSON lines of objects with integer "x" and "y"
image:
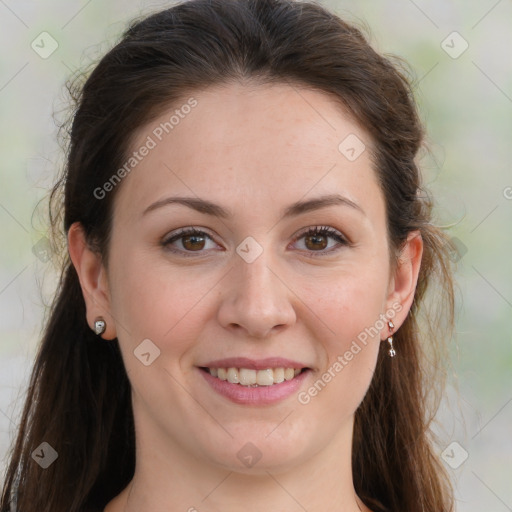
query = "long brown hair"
{"x": 79, "y": 398}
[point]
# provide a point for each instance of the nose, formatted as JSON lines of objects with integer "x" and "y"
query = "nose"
{"x": 256, "y": 299}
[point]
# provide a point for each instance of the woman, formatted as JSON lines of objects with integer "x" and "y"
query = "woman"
{"x": 248, "y": 253}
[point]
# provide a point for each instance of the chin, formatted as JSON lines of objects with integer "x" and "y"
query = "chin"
{"x": 252, "y": 455}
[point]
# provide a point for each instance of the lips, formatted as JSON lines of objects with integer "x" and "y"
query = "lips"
{"x": 255, "y": 394}
{"x": 254, "y": 381}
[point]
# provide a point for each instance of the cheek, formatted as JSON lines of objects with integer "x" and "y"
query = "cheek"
{"x": 350, "y": 298}
{"x": 152, "y": 300}
{"x": 352, "y": 309}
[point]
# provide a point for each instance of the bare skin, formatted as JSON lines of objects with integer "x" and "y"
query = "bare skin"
{"x": 254, "y": 150}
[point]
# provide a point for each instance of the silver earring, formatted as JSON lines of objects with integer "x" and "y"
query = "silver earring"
{"x": 100, "y": 325}
{"x": 391, "y": 352}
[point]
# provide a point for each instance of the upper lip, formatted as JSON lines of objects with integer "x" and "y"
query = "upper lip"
{"x": 254, "y": 364}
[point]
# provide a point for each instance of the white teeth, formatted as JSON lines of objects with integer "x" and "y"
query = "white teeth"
{"x": 233, "y": 375}
{"x": 265, "y": 377}
{"x": 247, "y": 377}
{"x": 278, "y": 375}
{"x": 254, "y": 378}
{"x": 289, "y": 373}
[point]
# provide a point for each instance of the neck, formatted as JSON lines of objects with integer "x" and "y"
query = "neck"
{"x": 167, "y": 474}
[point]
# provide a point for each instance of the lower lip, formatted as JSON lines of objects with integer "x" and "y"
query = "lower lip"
{"x": 261, "y": 395}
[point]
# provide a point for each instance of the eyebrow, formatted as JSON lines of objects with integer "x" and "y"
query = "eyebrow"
{"x": 297, "y": 208}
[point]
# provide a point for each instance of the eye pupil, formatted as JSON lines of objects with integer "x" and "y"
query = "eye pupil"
{"x": 188, "y": 238}
{"x": 315, "y": 239}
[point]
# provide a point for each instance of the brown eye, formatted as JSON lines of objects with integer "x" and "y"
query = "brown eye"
{"x": 192, "y": 240}
{"x": 316, "y": 240}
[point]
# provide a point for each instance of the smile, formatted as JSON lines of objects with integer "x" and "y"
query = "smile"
{"x": 251, "y": 387}
{"x": 254, "y": 378}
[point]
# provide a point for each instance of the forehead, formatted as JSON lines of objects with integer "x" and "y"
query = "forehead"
{"x": 259, "y": 142}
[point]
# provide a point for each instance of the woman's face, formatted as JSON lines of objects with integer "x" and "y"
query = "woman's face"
{"x": 252, "y": 285}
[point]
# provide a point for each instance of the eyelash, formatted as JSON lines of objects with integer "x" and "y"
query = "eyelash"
{"x": 317, "y": 230}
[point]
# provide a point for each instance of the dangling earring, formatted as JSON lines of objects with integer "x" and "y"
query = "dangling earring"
{"x": 391, "y": 326}
{"x": 99, "y": 325}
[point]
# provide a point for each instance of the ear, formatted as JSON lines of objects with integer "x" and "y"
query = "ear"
{"x": 93, "y": 279}
{"x": 403, "y": 281}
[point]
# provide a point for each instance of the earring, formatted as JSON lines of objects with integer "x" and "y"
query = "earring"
{"x": 391, "y": 326}
{"x": 100, "y": 325}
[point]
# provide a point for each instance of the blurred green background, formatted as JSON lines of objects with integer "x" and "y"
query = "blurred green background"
{"x": 459, "y": 53}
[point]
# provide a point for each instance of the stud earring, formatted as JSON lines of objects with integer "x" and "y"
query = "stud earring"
{"x": 100, "y": 326}
{"x": 392, "y": 351}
